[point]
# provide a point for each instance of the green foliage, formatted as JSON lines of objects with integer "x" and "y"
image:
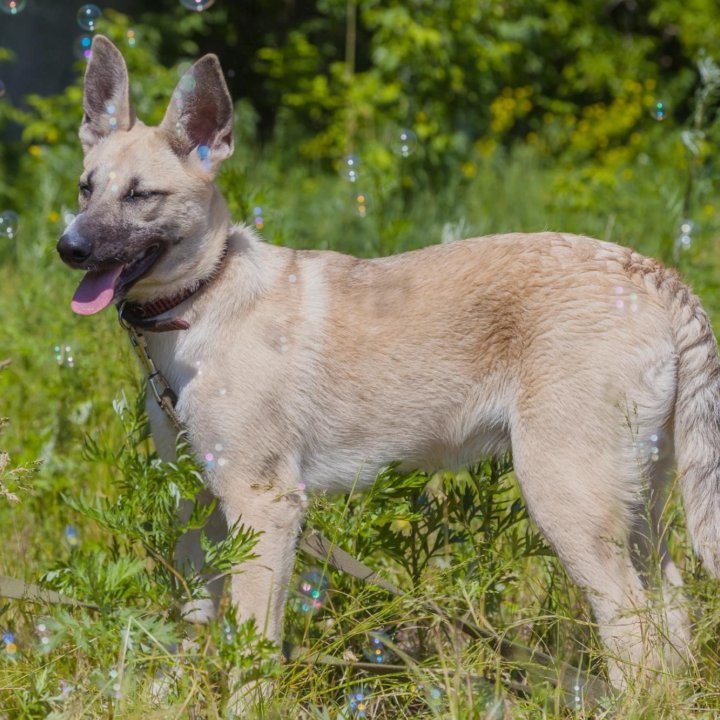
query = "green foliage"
{"x": 143, "y": 522}
{"x": 467, "y": 529}
{"x": 558, "y": 73}
{"x": 130, "y": 578}
{"x": 12, "y": 479}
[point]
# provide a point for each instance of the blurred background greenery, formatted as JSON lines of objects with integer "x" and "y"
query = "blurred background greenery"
{"x": 595, "y": 115}
{"x": 369, "y": 127}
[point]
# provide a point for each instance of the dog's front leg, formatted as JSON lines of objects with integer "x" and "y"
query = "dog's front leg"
{"x": 259, "y": 588}
{"x": 271, "y": 506}
{"x": 189, "y": 553}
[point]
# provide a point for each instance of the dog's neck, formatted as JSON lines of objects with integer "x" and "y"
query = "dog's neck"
{"x": 145, "y": 316}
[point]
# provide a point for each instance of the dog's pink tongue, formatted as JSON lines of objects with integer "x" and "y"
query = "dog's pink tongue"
{"x": 96, "y": 291}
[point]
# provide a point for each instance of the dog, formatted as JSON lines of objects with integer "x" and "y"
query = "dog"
{"x": 295, "y": 369}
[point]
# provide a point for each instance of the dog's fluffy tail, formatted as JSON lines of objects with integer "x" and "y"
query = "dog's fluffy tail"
{"x": 697, "y": 421}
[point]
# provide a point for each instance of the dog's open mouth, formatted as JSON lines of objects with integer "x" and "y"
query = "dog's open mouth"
{"x": 99, "y": 288}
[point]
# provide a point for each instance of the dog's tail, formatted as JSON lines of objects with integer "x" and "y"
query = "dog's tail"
{"x": 697, "y": 420}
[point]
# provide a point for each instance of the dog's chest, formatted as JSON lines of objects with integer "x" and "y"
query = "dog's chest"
{"x": 228, "y": 389}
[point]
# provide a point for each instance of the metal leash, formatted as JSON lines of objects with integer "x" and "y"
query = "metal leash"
{"x": 162, "y": 392}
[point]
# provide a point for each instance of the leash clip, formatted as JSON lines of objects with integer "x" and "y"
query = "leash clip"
{"x": 164, "y": 395}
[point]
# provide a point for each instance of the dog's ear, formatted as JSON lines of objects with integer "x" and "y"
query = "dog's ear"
{"x": 200, "y": 115}
{"x": 106, "y": 100}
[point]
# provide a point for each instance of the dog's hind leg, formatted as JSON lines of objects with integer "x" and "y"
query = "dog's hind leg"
{"x": 577, "y": 493}
{"x": 649, "y": 544}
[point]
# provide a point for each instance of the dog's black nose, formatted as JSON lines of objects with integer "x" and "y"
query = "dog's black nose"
{"x": 74, "y": 248}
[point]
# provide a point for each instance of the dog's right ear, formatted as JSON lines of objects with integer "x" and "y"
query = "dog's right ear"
{"x": 200, "y": 115}
{"x": 106, "y": 100}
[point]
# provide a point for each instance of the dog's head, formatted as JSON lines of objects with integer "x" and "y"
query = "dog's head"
{"x": 150, "y": 221}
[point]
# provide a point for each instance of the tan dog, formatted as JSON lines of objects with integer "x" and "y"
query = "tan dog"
{"x": 295, "y": 368}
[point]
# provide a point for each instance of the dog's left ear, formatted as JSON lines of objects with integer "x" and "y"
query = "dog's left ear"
{"x": 106, "y": 98}
{"x": 199, "y": 118}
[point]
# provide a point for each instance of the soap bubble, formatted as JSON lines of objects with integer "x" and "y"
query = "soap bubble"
{"x": 349, "y": 168}
{"x": 362, "y": 201}
{"x": 72, "y": 538}
{"x": 312, "y": 590}
{"x": 405, "y": 143}
{"x": 258, "y": 218}
{"x": 11, "y": 647}
{"x": 43, "y": 632}
{"x": 197, "y": 5}
{"x": 87, "y": 17}
{"x": 358, "y": 703}
{"x": 186, "y": 84}
{"x": 377, "y": 651}
{"x": 82, "y": 47}
{"x": 659, "y": 111}
{"x": 685, "y": 235}
{"x": 8, "y": 224}
{"x": 12, "y": 7}
{"x": 204, "y": 154}
{"x": 131, "y": 38}
{"x": 64, "y": 356}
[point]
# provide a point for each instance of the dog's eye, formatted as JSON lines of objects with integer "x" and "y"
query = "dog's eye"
{"x": 142, "y": 194}
{"x": 85, "y": 189}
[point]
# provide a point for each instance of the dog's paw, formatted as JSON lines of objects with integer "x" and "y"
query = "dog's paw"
{"x": 249, "y": 700}
{"x": 200, "y": 611}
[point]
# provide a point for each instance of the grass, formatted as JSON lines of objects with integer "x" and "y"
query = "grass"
{"x": 461, "y": 543}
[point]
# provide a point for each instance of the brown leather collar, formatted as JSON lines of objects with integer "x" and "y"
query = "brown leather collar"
{"x": 144, "y": 316}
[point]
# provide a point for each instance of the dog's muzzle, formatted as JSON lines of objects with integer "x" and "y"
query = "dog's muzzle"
{"x": 74, "y": 248}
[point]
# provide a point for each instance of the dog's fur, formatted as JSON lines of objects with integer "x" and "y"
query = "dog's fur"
{"x": 316, "y": 368}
